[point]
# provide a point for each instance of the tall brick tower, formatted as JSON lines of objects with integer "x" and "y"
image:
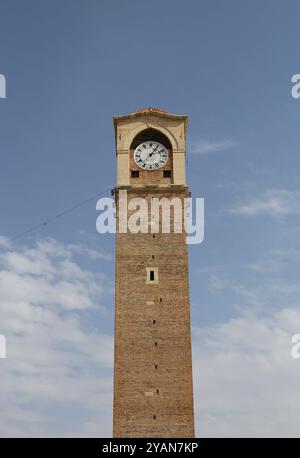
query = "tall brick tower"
{"x": 153, "y": 392}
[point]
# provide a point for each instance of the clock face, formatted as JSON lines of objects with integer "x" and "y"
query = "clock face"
{"x": 150, "y": 155}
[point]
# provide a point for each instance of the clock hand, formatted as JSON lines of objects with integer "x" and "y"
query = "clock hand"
{"x": 152, "y": 152}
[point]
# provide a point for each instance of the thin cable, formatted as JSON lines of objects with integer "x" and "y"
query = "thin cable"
{"x": 57, "y": 216}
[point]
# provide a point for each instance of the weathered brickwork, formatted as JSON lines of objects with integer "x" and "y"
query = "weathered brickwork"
{"x": 154, "y": 176}
{"x": 153, "y": 392}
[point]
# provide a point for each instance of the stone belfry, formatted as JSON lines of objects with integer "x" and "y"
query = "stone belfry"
{"x": 153, "y": 390}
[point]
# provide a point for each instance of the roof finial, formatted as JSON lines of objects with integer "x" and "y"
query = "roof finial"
{"x": 151, "y": 110}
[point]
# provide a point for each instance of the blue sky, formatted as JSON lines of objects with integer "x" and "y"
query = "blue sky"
{"x": 72, "y": 65}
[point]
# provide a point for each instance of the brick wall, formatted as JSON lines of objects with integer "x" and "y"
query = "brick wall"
{"x": 153, "y": 394}
{"x": 152, "y": 177}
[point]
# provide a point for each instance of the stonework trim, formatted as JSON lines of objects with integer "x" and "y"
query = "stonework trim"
{"x": 149, "y": 281}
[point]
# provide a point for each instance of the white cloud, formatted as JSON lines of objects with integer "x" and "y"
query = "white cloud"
{"x": 57, "y": 378}
{"x": 273, "y": 202}
{"x": 246, "y": 382}
{"x": 206, "y": 147}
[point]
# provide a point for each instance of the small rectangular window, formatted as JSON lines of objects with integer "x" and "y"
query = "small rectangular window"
{"x": 135, "y": 174}
{"x": 167, "y": 173}
{"x": 152, "y": 275}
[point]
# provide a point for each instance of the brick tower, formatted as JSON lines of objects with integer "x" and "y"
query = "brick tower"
{"x": 153, "y": 392}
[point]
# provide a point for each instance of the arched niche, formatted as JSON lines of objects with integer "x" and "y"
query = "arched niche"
{"x": 151, "y": 134}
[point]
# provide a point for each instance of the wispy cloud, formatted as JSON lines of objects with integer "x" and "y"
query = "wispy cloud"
{"x": 273, "y": 202}
{"x": 3, "y": 241}
{"x": 207, "y": 147}
{"x": 91, "y": 253}
{"x": 277, "y": 262}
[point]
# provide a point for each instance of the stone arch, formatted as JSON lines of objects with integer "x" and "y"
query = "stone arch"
{"x": 151, "y": 134}
{"x": 155, "y": 126}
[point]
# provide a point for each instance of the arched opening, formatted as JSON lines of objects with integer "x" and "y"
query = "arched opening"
{"x": 151, "y": 134}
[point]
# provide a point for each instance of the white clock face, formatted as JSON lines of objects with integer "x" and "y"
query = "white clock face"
{"x": 150, "y": 155}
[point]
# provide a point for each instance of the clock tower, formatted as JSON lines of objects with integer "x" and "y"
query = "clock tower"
{"x": 153, "y": 391}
